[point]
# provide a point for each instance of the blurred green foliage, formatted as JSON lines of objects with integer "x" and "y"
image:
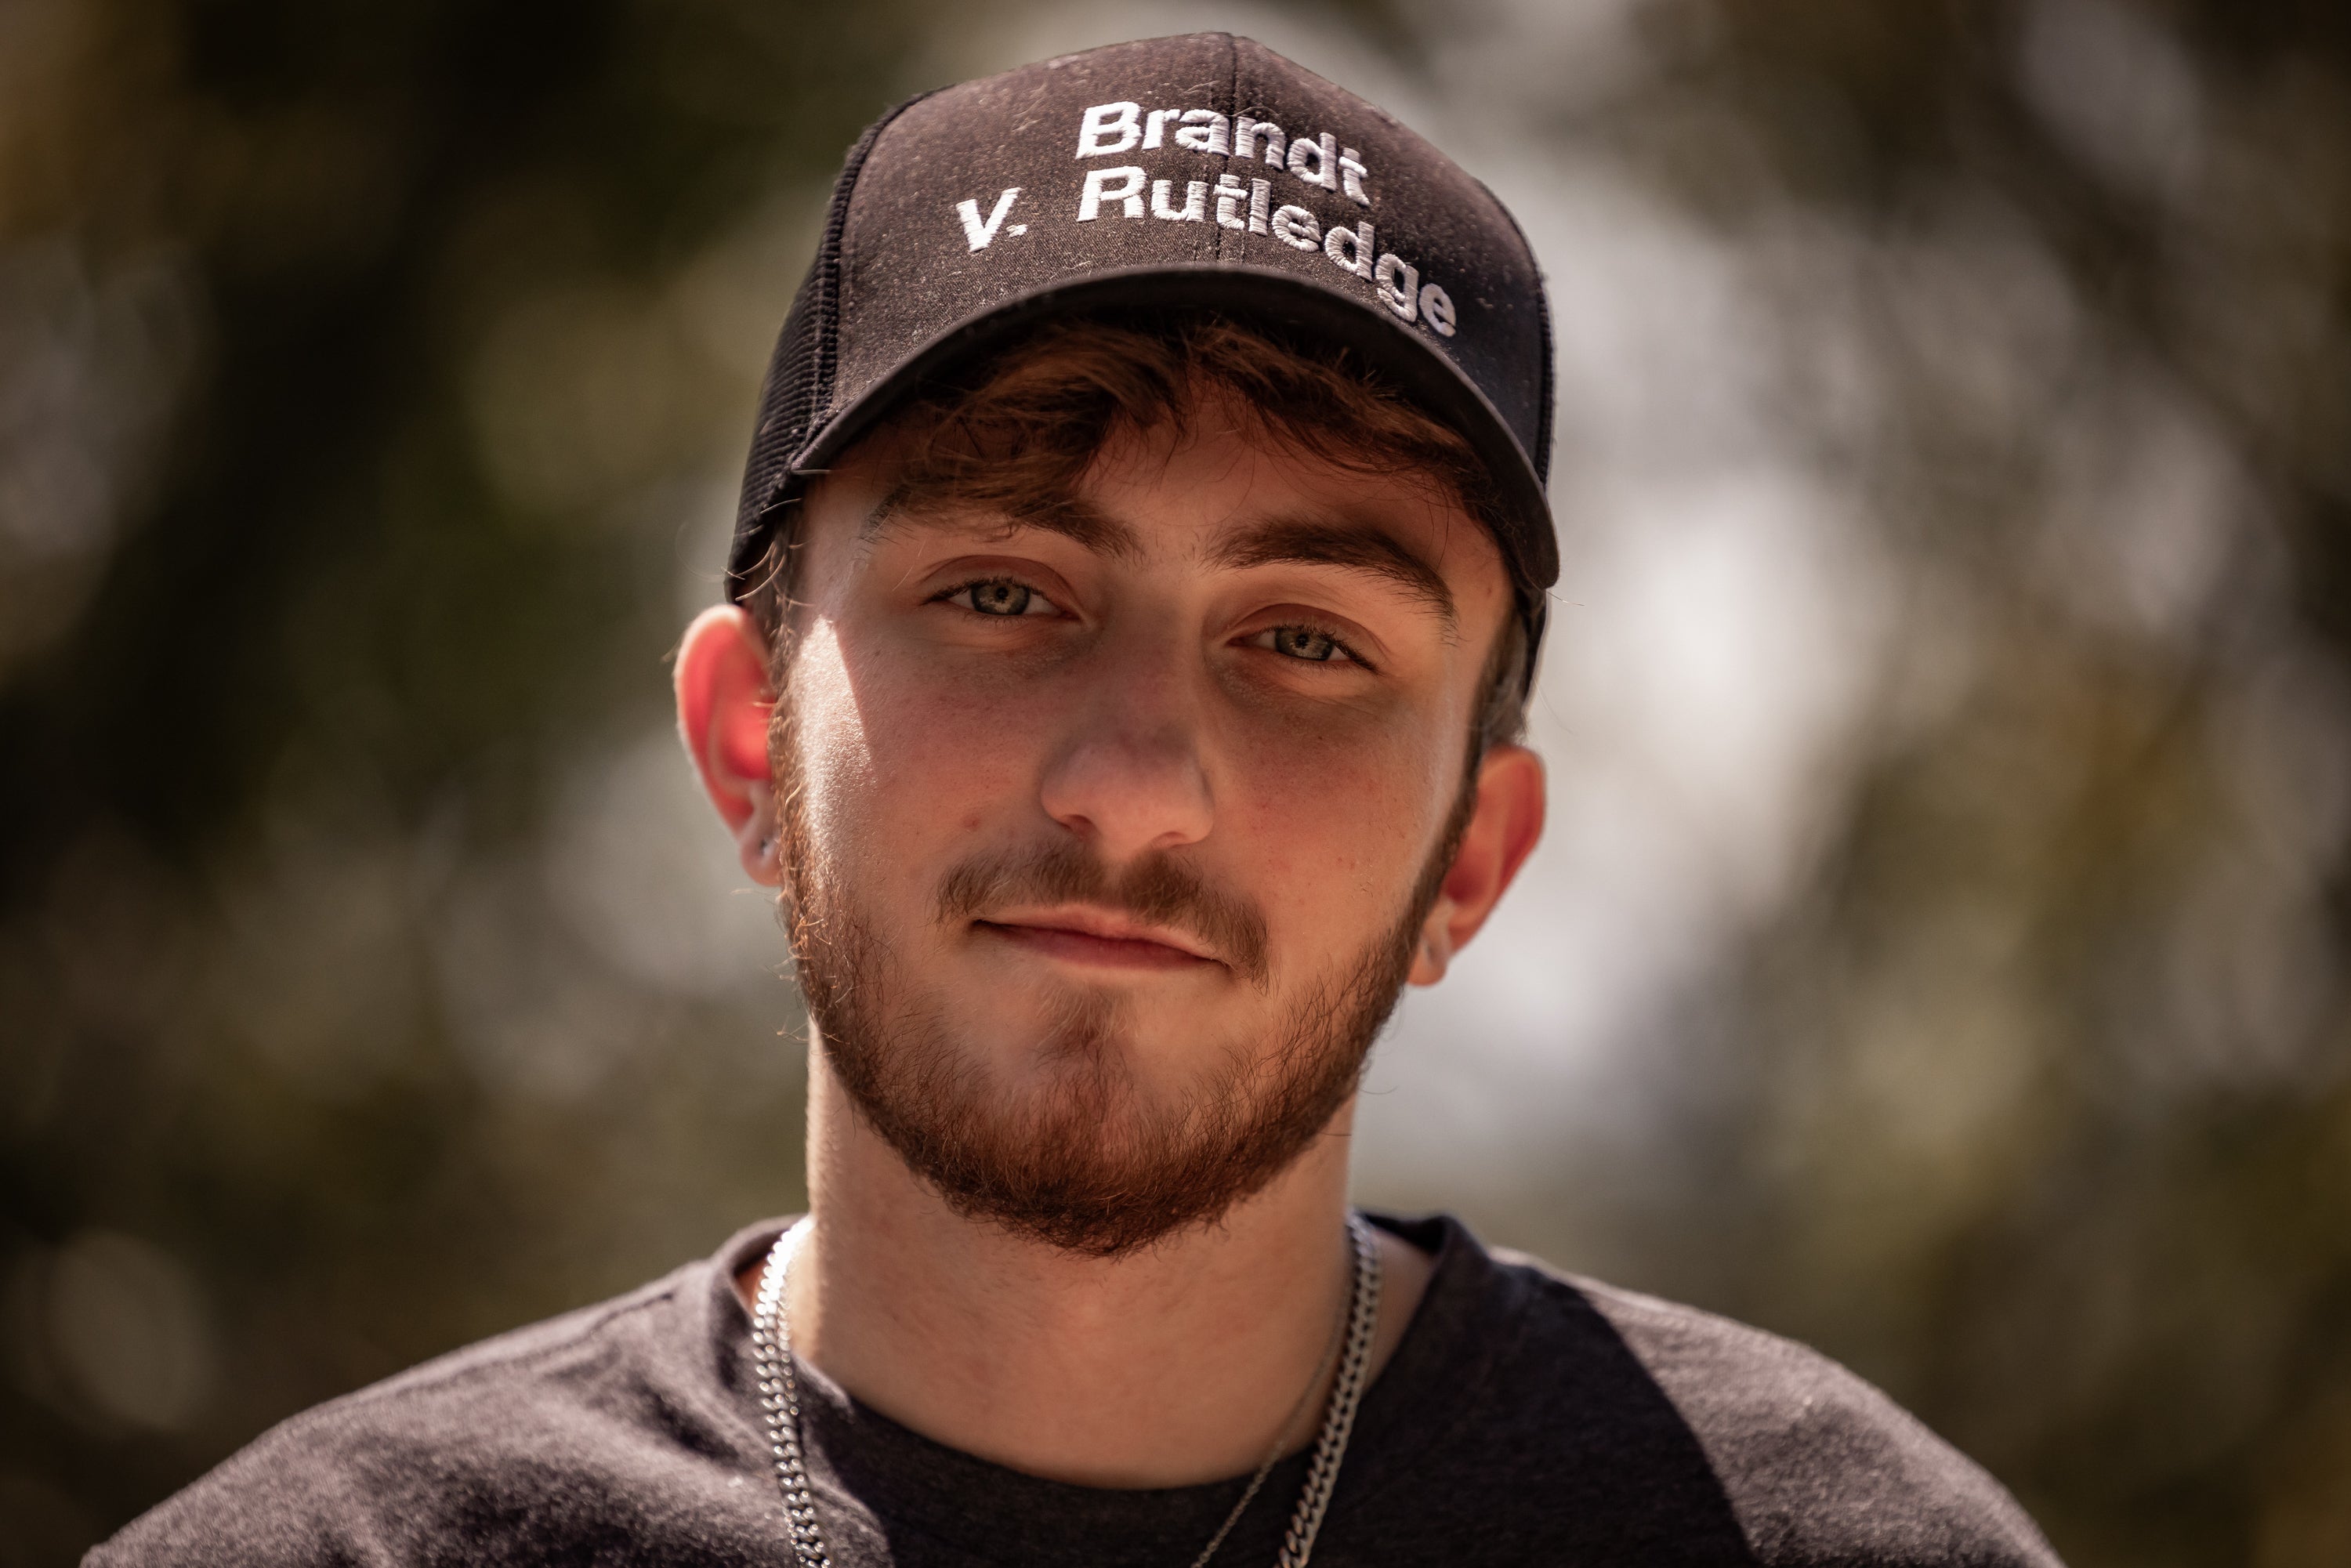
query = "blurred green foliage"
{"x": 370, "y": 381}
{"x": 280, "y": 723}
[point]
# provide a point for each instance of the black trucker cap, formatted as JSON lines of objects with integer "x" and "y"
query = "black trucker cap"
{"x": 1203, "y": 172}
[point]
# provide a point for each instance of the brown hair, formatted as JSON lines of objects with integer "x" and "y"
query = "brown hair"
{"x": 1021, "y": 429}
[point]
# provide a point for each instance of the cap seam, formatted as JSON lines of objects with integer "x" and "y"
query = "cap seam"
{"x": 824, "y": 363}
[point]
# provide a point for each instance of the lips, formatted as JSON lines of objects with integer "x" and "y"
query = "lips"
{"x": 1059, "y": 899}
{"x": 1098, "y": 937}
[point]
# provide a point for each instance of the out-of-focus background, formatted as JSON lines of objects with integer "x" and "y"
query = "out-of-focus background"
{"x": 1938, "y": 952}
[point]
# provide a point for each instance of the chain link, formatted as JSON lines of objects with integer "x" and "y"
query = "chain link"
{"x": 779, "y": 1405}
{"x": 1339, "y": 1418}
{"x": 779, "y": 1400}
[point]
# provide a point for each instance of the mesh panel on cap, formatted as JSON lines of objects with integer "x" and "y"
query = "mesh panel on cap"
{"x": 1548, "y": 407}
{"x": 798, "y": 392}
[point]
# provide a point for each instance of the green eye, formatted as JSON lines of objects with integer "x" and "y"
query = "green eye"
{"x": 1304, "y": 643}
{"x": 1000, "y": 598}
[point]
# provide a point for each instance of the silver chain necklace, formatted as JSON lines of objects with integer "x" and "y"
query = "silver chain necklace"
{"x": 780, "y": 1402}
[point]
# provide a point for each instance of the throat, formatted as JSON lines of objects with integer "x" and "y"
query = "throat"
{"x": 1181, "y": 1363}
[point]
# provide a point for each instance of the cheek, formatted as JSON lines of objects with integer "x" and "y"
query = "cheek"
{"x": 834, "y": 764}
{"x": 1335, "y": 822}
{"x": 898, "y": 762}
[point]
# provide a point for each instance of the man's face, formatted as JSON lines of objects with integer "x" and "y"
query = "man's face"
{"x": 1109, "y": 833}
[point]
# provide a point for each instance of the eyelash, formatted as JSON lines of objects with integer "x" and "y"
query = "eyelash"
{"x": 1344, "y": 649}
{"x": 952, "y": 594}
{"x": 1339, "y": 644}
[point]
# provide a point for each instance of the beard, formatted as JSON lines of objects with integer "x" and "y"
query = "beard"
{"x": 1087, "y": 1159}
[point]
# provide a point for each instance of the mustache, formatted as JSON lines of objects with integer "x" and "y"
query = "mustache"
{"x": 1156, "y": 889}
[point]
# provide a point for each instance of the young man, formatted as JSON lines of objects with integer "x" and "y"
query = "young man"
{"x": 1140, "y": 569}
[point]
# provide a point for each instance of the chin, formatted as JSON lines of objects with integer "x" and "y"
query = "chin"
{"x": 1095, "y": 1118}
{"x": 1064, "y": 1141}
{"x": 1079, "y": 1064}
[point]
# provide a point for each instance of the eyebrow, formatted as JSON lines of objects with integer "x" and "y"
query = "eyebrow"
{"x": 1360, "y": 549}
{"x": 1068, "y": 517}
{"x": 1283, "y": 541}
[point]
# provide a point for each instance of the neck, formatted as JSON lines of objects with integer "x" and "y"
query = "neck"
{"x": 1177, "y": 1365}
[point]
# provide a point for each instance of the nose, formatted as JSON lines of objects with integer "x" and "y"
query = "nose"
{"x": 1129, "y": 779}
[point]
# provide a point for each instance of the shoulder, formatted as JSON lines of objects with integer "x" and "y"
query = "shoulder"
{"x": 439, "y": 1461}
{"x": 1816, "y": 1465}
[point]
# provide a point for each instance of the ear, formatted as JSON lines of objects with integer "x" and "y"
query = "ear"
{"x": 1503, "y": 828}
{"x": 724, "y": 701}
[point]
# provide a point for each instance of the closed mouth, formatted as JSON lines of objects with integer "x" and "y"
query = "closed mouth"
{"x": 1099, "y": 937}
